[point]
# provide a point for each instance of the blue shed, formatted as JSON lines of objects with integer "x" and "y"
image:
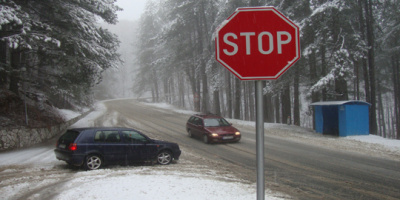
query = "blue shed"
{"x": 341, "y": 118}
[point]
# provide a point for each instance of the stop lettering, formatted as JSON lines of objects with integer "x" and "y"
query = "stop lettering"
{"x": 257, "y": 43}
{"x": 269, "y": 42}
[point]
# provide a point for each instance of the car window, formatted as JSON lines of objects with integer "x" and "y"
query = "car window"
{"x": 133, "y": 137}
{"x": 191, "y": 119}
{"x": 198, "y": 121}
{"x": 107, "y": 136}
{"x": 69, "y": 136}
{"x": 216, "y": 122}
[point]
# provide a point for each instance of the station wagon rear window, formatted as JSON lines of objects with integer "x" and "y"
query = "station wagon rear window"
{"x": 69, "y": 136}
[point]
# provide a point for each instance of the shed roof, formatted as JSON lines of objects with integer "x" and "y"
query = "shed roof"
{"x": 335, "y": 103}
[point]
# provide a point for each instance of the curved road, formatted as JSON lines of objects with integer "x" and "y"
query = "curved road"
{"x": 301, "y": 170}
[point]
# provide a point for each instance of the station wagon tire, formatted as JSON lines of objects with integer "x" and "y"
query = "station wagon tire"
{"x": 205, "y": 139}
{"x": 164, "y": 157}
{"x": 93, "y": 162}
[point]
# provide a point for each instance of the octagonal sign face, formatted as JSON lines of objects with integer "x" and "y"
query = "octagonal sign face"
{"x": 257, "y": 43}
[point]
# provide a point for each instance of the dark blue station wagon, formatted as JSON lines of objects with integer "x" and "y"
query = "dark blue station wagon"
{"x": 94, "y": 147}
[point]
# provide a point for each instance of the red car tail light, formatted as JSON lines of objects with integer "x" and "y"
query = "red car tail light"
{"x": 72, "y": 147}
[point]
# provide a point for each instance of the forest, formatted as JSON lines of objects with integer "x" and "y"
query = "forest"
{"x": 349, "y": 51}
{"x": 52, "y": 53}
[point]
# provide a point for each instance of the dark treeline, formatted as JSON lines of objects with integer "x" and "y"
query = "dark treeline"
{"x": 350, "y": 51}
{"x": 54, "y": 50}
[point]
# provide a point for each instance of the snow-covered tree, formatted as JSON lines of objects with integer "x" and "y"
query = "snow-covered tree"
{"x": 60, "y": 51}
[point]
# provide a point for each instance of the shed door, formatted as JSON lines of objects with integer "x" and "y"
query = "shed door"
{"x": 331, "y": 120}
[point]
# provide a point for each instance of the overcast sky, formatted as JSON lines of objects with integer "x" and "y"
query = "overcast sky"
{"x": 132, "y": 9}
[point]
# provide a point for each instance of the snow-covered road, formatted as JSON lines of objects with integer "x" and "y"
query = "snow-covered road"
{"x": 34, "y": 173}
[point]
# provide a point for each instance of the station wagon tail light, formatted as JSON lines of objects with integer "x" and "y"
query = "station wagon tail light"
{"x": 72, "y": 147}
{"x": 237, "y": 133}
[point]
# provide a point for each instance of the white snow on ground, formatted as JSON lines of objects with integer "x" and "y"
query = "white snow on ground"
{"x": 111, "y": 184}
{"x": 374, "y": 139}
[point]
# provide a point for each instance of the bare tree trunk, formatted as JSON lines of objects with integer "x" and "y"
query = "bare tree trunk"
{"x": 396, "y": 85}
{"x": 313, "y": 75}
{"x": 286, "y": 104}
{"x": 356, "y": 81}
{"x": 251, "y": 97}
{"x": 156, "y": 90}
{"x": 3, "y": 64}
{"x": 198, "y": 93}
{"x": 228, "y": 93}
{"x": 381, "y": 114}
{"x": 277, "y": 109}
{"x": 238, "y": 101}
{"x": 371, "y": 63}
{"x": 191, "y": 73}
{"x": 153, "y": 95}
{"x": 269, "y": 108}
{"x": 323, "y": 70}
{"x": 246, "y": 112}
{"x": 200, "y": 24}
{"x": 181, "y": 86}
{"x": 204, "y": 96}
{"x": 217, "y": 103}
{"x": 390, "y": 122}
{"x": 364, "y": 61}
{"x": 189, "y": 94}
{"x": 222, "y": 97}
{"x": 166, "y": 91}
{"x": 296, "y": 101}
{"x": 173, "y": 90}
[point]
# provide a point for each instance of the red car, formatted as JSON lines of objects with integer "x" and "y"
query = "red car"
{"x": 212, "y": 129}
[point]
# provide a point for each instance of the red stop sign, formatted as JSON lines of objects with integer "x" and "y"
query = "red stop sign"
{"x": 257, "y": 43}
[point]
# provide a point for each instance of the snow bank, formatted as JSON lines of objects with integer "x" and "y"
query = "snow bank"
{"x": 133, "y": 184}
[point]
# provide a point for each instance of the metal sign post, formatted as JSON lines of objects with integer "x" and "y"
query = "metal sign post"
{"x": 258, "y": 43}
{"x": 260, "y": 141}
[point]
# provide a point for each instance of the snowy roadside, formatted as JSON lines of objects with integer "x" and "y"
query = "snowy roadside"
{"x": 369, "y": 145}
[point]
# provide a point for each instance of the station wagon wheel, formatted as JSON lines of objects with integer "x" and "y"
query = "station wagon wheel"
{"x": 205, "y": 139}
{"x": 164, "y": 158}
{"x": 93, "y": 162}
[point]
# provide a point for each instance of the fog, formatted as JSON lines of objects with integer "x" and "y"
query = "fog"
{"x": 118, "y": 83}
